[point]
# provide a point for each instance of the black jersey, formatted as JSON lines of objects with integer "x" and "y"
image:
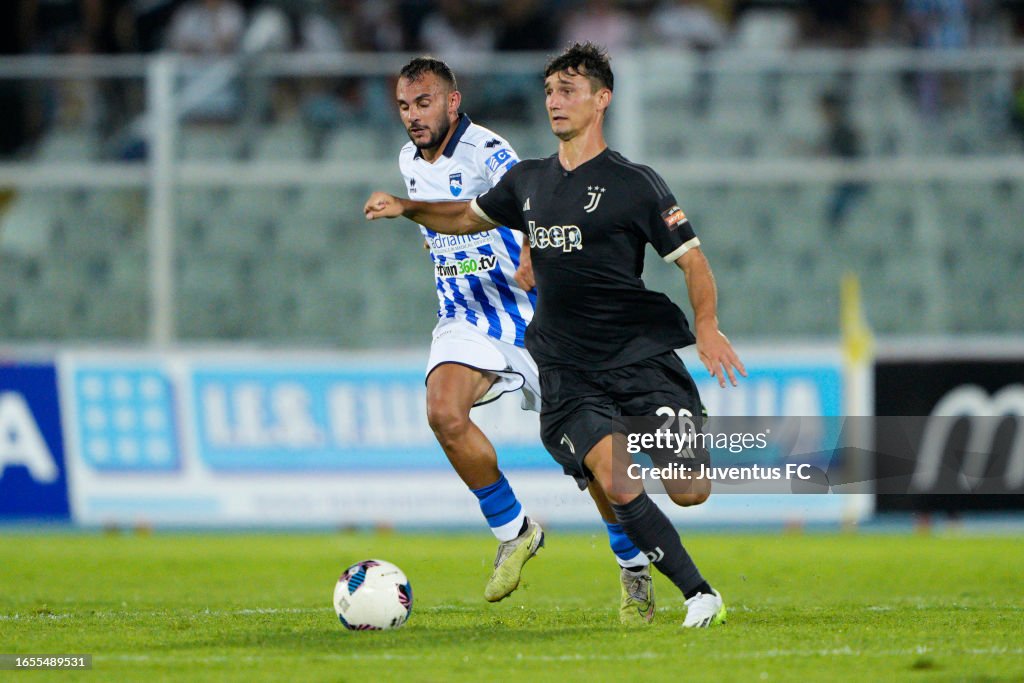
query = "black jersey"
{"x": 588, "y": 229}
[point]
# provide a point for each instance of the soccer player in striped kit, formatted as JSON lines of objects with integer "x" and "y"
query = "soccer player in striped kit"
{"x": 478, "y": 351}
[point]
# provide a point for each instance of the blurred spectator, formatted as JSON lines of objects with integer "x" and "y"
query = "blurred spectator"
{"x": 76, "y": 103}
{"x": 115, "y": 29}
{"x": 1017, "y": 104}
{"x": 991, "y": 24}
{"x": 12, "y": 31}
{"x": 373, "y": 25}
{"x": 882, "y": 26}
{"x": 53, "y": 25}
{"x": 13, "y": 113}
{"x": 841, "y": 141}
{"x": 455, "y": 31}
{"x": 280, "y": 27}
{"x": 207, "y": 27}
{"x": 411, "y": 14}
{"x": 603, "y": 22}
{"x": 831, "y": 23}
{"x": 320, "y": 33}
{"x": 150, "y": 19}
{"x": 766, "y": 28}
{"x": 526, "y": 25}
{"x": 686, "y": 24}
{"x": 938, "y": 25}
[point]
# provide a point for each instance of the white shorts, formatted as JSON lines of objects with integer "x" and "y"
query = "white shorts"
{"x": 457, "y": 341}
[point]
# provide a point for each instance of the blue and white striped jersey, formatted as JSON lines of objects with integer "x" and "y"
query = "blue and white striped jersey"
{"x": 473, "y": 273}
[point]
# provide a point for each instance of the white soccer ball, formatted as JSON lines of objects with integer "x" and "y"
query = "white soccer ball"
{"x": 372, "y": 595}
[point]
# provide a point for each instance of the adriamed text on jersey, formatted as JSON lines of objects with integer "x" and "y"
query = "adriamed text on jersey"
{"x": 588, "y": 229}
{"x": 473, "y": 273}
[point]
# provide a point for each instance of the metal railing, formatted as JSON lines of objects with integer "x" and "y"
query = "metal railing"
{"x": 709, "y": 124}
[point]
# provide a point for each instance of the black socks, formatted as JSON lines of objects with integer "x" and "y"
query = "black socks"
{"x": 653, "y": 533}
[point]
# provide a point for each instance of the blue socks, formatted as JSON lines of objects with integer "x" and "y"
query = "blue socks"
{"x": 627, "y": 554}
{"x": 501, "y": 508}
{"x": 505, "y": 516}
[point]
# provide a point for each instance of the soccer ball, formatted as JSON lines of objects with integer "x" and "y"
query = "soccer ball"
{"x": 372, "y": 595}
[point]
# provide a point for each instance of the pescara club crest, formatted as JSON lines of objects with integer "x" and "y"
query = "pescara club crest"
{"x": 455, "y": 183}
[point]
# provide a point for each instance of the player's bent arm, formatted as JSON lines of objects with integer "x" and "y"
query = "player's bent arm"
{"x": 448, "y": 218}
{"x": 700, "y": 285}
{"x": 713, "y": 347}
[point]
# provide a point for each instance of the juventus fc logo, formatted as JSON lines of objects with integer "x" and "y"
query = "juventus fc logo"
{"x": 595, "y": 193}
{"x": 568, "y": 442}
{"x": 655, "y": 555}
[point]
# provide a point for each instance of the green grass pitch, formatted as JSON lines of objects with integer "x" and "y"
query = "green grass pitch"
{"x": 248, "y": 607}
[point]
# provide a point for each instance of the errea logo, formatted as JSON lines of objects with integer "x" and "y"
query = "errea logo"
{"x": 564, "y": 237}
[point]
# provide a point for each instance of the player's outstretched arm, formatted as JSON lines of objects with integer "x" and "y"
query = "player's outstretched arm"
{"x": 713, "y": 347}
{"x": 448, "y": 218}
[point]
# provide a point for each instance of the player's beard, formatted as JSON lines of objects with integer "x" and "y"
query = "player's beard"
{"x": 435, "y": 136}
{"x": 565, "y": 134}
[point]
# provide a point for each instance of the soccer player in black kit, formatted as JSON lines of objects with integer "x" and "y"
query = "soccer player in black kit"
{"x": 605, "y": 344}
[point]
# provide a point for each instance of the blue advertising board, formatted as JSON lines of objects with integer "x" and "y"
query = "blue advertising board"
{"x": 321, "y": 438}
{"x": 126, "y": 419}
{"x": 329, "y": 419}
{"x": 33, "y": 478}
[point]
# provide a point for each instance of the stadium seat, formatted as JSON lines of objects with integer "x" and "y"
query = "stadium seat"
{"x": 220, "y": 274}
{"x": 305, "y": 234}
{"x": 354, "y": 144}
{"x": 129, "y": 268}
{"x": 116, "y": 313}
{"x": 203, "y": 314}
{"x": 255, "y": 206}
{"x": 282, "y": 142}
{"x": 236, "y": 236}
{"x": 117, "y": 205}
{"x": 195, "y": 203}
{"x": 44, "y": 313}
{"x": 27, "y": 223}
{"x": 60, "y": 145}
{"x": 204, "y": 142}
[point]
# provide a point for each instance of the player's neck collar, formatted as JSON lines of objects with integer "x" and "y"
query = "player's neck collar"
{"x": 453, "y": 141}
{"x": 603, "y": 153}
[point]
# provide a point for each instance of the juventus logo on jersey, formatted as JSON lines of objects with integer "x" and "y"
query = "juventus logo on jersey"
{"x": 568, "y": 442}
{"x": 595, "y": 193}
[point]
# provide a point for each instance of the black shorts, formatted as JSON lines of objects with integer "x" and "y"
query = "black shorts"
{"x": 578, "y": 406}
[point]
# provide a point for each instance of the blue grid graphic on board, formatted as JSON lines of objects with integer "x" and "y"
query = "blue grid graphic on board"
{"x": 126, "y": 420}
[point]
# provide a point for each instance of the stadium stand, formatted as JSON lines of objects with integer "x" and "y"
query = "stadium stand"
{"x": 294, "y": 261}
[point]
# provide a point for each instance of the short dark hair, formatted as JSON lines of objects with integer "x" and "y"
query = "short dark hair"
{"x": 429, "y": 65}
{"x": 587, "y": 59}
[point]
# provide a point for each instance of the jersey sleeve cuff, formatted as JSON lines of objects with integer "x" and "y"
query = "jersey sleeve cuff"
{"x": 682, "y": 249}
{"x": 480, "y": 212}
